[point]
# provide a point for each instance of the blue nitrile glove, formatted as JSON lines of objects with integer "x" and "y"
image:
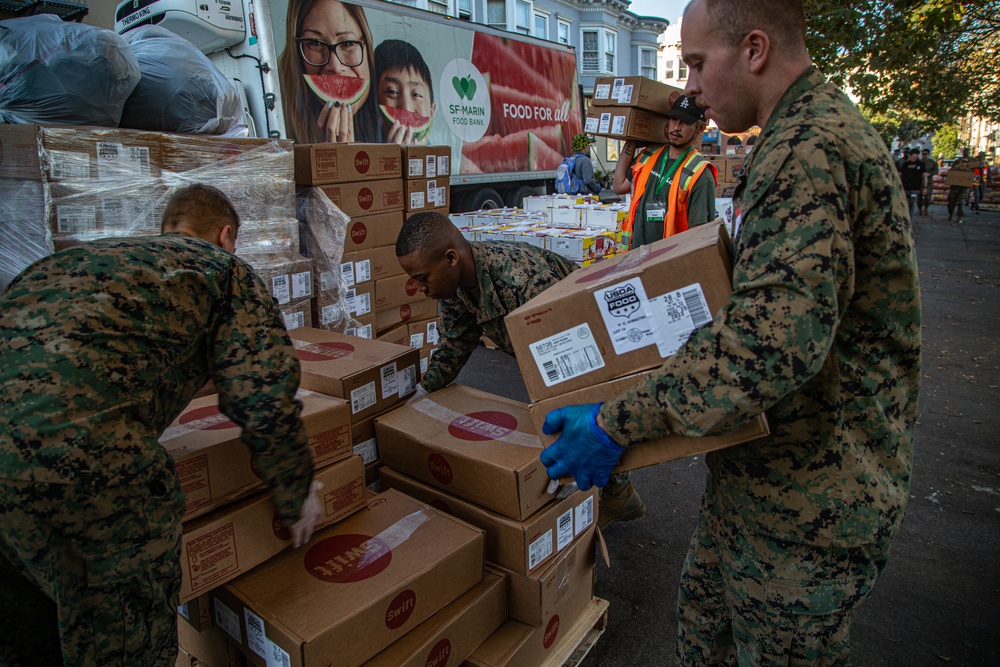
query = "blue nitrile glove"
{"x": 584, "y": 450}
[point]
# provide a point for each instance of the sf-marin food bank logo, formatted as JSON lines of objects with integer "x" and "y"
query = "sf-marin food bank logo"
{"x": 465, "y": 99}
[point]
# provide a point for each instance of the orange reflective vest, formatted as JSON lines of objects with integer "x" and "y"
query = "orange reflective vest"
{"x": 676, "y": 219}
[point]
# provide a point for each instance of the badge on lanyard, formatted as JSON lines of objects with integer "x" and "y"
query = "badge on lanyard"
{"x": 655, "y": 214}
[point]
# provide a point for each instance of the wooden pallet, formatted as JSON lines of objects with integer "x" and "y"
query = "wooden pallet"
{"x": 582, "y": 636}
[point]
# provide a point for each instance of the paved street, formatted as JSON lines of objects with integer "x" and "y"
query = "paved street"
{"x": 938, "y": 602}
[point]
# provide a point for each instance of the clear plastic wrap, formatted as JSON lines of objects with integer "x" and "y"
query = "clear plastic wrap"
{"x": 60, "y": 186}
{"x": 321, "y": 234}
{"x": 54, "y": 71}
{"x": 180, "y": 89}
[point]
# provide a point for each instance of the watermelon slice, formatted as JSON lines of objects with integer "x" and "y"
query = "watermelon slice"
{"x": 419, "y": 125}
{"x": 336, "y": 88}
{"x": 541, "y": 156}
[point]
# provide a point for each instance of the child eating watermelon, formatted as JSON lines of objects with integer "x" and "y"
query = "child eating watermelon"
{"x": 405, "y": 92}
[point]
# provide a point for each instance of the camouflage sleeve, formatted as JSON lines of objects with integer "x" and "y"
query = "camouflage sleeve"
{"x": 701, "y": 204}
{"x": 459, "y": 336}
{"x": 777, "y": 328}
{"x": 256, "y": 372}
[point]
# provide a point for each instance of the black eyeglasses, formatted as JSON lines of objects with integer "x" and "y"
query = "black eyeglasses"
{"x": 316, "y": 52}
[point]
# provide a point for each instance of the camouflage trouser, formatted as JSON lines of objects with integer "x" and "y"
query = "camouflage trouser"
{"x": 751, "y": 600}
{"x": 618, "y": 479}
{"x": 93, "y": 576}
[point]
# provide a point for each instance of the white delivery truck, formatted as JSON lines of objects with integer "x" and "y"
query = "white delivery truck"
{"x": 508, "y": 105}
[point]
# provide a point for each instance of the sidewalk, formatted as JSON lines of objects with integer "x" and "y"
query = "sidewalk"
{"x": 938, "y": 602}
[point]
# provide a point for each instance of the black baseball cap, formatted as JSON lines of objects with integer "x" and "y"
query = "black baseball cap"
{"x": 687, "y": 110}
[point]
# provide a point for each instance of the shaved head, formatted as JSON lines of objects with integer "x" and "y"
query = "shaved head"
{"x": 784, "y": 21}
{"x": 428, "y": 233}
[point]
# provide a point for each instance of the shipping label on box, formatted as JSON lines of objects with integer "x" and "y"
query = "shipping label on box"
{"x": 370, "y": 264}
{"x": 356, "y": 588}
{"x": 427, "y": 161}
{"x": 626, "y": 123}
{"x": 519, "y": 546}
{"x": 321, "y": 164}
{"x": 370, "y": 231}
{"x": 475, "y": 445}
{"x": 215, "y": 466}
{"x": 366, "y": 197}
{"x": 535, "y": 597}
{"x": 223, "y": 544}
{"x": 634, "y": 91}
{"x": 427, "y": 193}
{"x": 622, "y": 315}
{"x": 648, "y": 453}
{"x": 371, "y": 376}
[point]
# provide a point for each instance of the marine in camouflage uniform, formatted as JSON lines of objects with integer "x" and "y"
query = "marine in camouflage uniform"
{"x": 822, "y": 333}
{"x": 101, "y": 347}
{"x": 509, "y": 275}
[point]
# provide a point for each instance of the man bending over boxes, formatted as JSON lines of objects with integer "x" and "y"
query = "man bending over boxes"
{"x": 102, "y": 346}
{"x": 477, "y": 284}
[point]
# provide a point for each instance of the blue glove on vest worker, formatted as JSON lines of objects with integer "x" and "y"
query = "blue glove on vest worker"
{"x": 584, "y": 450}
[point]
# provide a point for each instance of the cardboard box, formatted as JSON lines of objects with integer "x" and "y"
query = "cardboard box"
{"x": 398, "y": 335}
{"x": 421, "y": 309}
{"x": 287, "y": 275}
{"x": 725, "y": 190}
{"x": 517, "y": 644}
{"x": 184, "y": 152}
{"x": 365, "y": 327}
{"x": 222, "y": 545}
{"x": 370, "y": 264}
{"x": 215, "y": 466}
{"x": 519, "y": 546}
{"x": 56, "y": 153}
{"x": 297, "y": 315}
{"x": 960, "y": 177}
{"x": 648, "y": 453}
{"x": 196, "y": 612}
{"x": 370, "y": 231}
{"x": 426, "y": 161}
{"x": 634, "y": 91}
{"x": 425, "y": 358}
{"x": 734, "y": 171}
{"x": 475, "y": 445}
{"x": 394, "y": 291}
{"x": 451, "y": 635}
{"x": 321, "y": 164}
{"x": 371, "y": 376}
{"x": 423, "y": 333}
{"x": 208, "y": 645}
{"x": 366, "y": 197}
{"x": 427, "y": 193}
{"x": 626, "y": 123}
{"x": 612, "y": 318}
{"x": 329, "y": 310}
{"x": 356, "y": 588}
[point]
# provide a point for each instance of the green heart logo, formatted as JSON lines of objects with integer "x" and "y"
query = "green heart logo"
{"x": 455, "y": 81}
{"x": 471, "y": 88}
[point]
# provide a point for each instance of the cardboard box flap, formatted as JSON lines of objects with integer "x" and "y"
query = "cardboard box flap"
{"x": 319, "y": 345}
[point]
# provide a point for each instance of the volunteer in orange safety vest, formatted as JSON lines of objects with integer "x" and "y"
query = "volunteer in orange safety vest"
{"x": 673, "y": 185}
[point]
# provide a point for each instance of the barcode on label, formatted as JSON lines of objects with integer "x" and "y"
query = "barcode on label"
{"x": 280, "y": 289}
{"x": 584, "y": 515}
{"x": 564, "y": 530}
{"x": 278, "y": 657}
{"x": 540, "y": 549}
{"x": 697, "y": 307}
{"x": 569, "y": 365}
{"x": 363, "y": 398}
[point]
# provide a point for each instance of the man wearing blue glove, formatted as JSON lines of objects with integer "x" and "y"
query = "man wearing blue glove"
{"x": 822, "y": 332}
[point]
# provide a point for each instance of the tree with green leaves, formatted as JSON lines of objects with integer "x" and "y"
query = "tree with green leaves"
{"x": 932, "y": 61}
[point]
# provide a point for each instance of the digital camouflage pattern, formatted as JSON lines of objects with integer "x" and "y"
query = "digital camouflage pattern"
{"x": 510, "y": 275}
{"x": 785, "y": 603}
{"x": 101, "y": 347}
{"x": 822, "y": 333}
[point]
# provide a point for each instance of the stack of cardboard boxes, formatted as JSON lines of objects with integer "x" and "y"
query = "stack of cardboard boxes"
{"x": 608, "y": 326}
{"x": 474, "y": 455}
{"x": 630, "y": 107}
{"x": 60, "y": 186}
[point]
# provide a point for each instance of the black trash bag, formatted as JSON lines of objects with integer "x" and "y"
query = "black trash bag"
{"x": 180, "y": 90}
{"x": 55, "y": 72}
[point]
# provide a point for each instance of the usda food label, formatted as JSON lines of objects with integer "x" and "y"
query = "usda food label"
{"x": 624, "y": 307}
{"x": 566, "y": 355}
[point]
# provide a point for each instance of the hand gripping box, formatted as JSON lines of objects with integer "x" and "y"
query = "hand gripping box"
{"x": 371, "y": 376}
{"x": 223, "y": 544}
{"x": 477, "y": 446}
{"x": 356, "y": 588}
{"x": 640, "y": 455}
{"x": 214, "y": 465}
{"x": 522, "y": 547}
{"x": 622, "y": 315}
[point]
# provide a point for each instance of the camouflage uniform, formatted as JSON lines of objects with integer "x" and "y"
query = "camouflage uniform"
{"x": 509, "y": 274}
{"x": 822, "y": 333}
{"x": 101, "y": 347}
